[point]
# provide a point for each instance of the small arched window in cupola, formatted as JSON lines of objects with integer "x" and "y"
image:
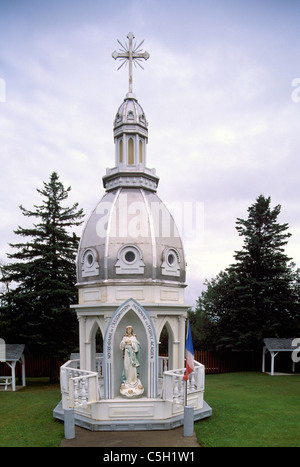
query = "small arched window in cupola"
{"x": 130, "y": 115}
{"x": 118, "y": 119}
{"x": 142, "y": 118}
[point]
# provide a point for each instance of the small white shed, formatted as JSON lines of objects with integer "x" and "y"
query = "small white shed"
{"x": 14, "y": 353}
{"x": 274, "y": 346}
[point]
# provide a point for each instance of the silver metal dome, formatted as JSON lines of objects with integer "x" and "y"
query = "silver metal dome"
{"x": 130, "y": 236}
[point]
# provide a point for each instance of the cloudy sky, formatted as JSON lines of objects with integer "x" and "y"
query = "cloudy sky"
{"x": 221, "y": 93}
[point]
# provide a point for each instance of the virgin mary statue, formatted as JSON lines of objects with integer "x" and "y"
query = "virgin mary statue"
{"x": 131, "y": 385}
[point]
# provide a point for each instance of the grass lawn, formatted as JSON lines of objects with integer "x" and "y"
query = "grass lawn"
{"x": 251, "y": 410}
{"x": 26, "y": 418}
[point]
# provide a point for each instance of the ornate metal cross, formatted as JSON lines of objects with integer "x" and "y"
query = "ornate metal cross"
{"x": 132, "y": 54}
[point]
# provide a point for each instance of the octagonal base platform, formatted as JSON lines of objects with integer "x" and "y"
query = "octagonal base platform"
{"x": 133, "y": 425}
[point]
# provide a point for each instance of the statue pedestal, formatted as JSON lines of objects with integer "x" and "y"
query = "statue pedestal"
{"x": 132, "y": 390}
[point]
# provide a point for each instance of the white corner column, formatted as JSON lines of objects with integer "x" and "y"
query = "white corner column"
{"x": 23, "y": 370}
{"x": 181, "y": 333}
{"x": 273, "y": 355}
{"x": 264, "y": 351}
{"x": 82, "y": 350}
{"x": 12, "y": 365}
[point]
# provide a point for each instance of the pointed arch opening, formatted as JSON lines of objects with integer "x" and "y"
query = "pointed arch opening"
{"x": 130, "y": 152}
{"x": 166, "y": 339}
{"x": 99, "y": 341}
{"x": 96, "y": 348}
{"x": 164, "y": 342}
{"x": 140, "y": 151}
{"x": 121, "y": 151}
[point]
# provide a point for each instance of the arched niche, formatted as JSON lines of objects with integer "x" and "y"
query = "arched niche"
{"x": 165, "y": 325}
{"x": 94, "y": 339}
{"x": 133, "y": 314}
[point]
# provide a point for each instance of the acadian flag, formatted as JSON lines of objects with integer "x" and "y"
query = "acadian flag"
{"x": 189, "y": 353}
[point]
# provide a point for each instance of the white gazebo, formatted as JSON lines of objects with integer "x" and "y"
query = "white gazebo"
{"x": 274, "y": 346}
{"x": 14, "y": 353}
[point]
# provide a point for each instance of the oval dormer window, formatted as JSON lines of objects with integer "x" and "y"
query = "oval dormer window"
{"x": 130, "y": 256}
{"x": 170, "y": 262}
{"x": 171, "y": 259}
{"x": 130, "y": 260}
{"x": 89, "y": 262}
{"x": 89, "y": 259}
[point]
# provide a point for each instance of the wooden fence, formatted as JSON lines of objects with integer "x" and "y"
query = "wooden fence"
{"x": 214, "y": 362}
{"x": 35, "y": 366}
{"x": 225, "y": 362}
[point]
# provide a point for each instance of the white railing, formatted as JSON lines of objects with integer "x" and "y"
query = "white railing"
{"x": 174, "y": 385}
{"x": 163, "y": 363}
{"x": 99, "y": 366}
{"x": 79, "y": 387}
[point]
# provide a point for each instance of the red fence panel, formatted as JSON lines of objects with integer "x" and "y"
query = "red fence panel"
{"x": 35, "y": 366}
{"x": 224, "y": 362}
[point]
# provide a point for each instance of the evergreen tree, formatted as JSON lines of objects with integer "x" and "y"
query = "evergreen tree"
{"x": 258, "y": 295}
{"x": 36, "y": 307}
{"x": 265, "y": 273}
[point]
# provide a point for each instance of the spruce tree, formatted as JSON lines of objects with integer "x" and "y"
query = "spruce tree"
{"x": 265, "y": 273}
{"x": 258, "y": 295}
{"x": 36, "y": 308}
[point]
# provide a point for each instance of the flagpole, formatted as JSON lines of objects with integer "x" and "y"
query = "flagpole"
{"x": 185, "y": 381}
{"x": 188, "y": 411}
{"x": 185, "y": 393}
{"x": 185, "y": 385}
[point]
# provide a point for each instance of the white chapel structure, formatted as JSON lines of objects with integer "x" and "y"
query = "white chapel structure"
{"x": 131, "y": 278}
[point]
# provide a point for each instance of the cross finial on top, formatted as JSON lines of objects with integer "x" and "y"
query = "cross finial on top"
{"x": 132, "y": 54}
